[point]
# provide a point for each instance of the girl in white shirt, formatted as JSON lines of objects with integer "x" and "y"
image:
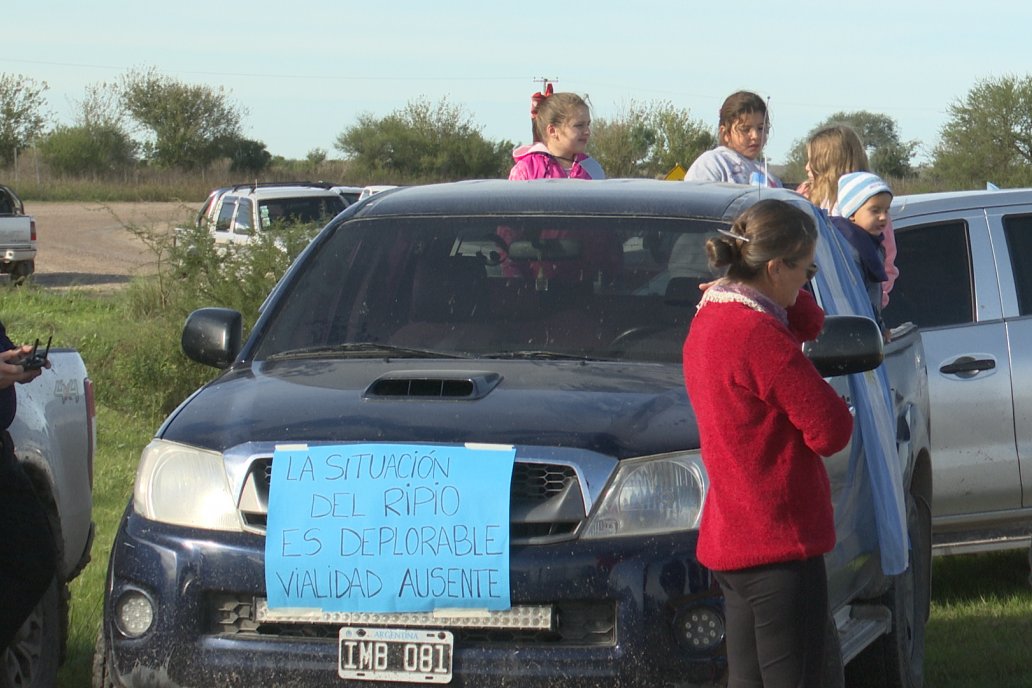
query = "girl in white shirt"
{"x": 744, "y": 125}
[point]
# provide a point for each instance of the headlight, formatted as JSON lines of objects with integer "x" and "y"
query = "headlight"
{"x": 658, "y": 494}
{"x": 185, "y": 486}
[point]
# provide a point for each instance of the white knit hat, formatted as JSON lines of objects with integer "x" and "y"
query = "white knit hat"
{"x": 855, "y": 188}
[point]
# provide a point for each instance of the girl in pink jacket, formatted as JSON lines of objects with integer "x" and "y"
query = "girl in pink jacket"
{"x": 561, "y": 124}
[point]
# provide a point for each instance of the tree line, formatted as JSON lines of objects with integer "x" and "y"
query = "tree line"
{"x": 146, "y": 119}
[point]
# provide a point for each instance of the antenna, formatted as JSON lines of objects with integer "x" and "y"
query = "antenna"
{"x": 766, "y": 129}
{"x": 762, "y": 180}
{"x": 545, "y": 80}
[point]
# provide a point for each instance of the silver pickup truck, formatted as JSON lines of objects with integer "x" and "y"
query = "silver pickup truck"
{"x": 17, "y": 237}
{"x": 54, "y": 437}
{"x": 965, "y": 262}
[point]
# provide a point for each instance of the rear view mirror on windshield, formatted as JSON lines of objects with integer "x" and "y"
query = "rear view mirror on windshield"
{"x": 545, "y": 249}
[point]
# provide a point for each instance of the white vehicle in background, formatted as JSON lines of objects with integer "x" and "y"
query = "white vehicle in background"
{"x": 233, "y": 214}
{"x": 375, "y": 189}
{"x": 350, "y": 194}
{"x": 17, "y": 237}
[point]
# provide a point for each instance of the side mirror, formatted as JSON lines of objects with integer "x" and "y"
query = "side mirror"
{"x": 212, "y": 336}
{"x": 847, "y": 344}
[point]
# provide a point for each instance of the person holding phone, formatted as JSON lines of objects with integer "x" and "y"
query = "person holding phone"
{"x": 28, "y": 557}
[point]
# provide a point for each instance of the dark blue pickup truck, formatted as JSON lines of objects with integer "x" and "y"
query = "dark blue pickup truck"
{"x": 326, "y": 511}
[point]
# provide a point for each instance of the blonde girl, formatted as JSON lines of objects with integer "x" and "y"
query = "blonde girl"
{"x": 831, "y": 152}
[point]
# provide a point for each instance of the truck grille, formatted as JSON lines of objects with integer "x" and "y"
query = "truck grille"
{"x": 545, "y": 501}
{"x": 584, "y": 623}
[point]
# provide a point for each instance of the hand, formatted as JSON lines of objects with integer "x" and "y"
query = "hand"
{"x": 13, "y": 372}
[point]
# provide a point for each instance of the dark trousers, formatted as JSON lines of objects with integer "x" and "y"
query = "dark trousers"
{"x": 27, "y": 553}
{"x": 776, "y": 621}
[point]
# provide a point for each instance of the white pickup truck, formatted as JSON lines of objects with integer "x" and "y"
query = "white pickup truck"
{"x": 17, "y": 237}
{"x": 54, "y": 435}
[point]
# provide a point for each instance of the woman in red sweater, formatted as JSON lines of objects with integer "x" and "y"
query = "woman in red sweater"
{"x": 766, "y": 417}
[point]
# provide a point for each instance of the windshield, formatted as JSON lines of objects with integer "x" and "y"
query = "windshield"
{"x": 541, "y": 287}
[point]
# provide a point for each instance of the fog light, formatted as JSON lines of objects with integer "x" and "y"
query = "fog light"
{"x": 700, "y": 628}
{"x": 134, "y": 614}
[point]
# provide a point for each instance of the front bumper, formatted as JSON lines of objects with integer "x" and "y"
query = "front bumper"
{"x": 618, "y": 605}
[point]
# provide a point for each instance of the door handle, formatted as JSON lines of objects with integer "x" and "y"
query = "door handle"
{"x": 968, "y": 365}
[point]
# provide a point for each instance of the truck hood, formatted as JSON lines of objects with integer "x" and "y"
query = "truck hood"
{"x": 619, "y": 409}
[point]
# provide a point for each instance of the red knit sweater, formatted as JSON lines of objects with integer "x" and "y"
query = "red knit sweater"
{"x": 765, "y": 418}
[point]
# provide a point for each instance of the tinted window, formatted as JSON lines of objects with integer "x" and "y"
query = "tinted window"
{"x": 7, "y": 204}
{"x": 934, "y": 286}
{"x": 299, "y": 210}
{"x": 1018, "y": 230}
{"x": 606, "y": 288}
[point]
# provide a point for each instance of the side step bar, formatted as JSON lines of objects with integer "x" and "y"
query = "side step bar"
{"x": 992, "y": 544}
{"x": 859, "y": 625}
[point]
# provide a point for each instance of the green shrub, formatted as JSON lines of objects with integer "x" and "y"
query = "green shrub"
{"x": 130, "y": 340}
{"x": 99, "y": 151}
{"x": 237, "y": 276}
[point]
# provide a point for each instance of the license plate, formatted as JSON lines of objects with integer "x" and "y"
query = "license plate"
{"x": 395, "y": 654}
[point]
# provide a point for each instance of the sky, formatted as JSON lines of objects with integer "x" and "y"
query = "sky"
{"x": 303, "y": 73}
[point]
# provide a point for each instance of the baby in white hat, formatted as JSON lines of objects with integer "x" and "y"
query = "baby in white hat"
{"x": 863, "y": 203}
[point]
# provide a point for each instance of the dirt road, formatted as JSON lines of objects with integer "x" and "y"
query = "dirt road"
{"x": 88, "y": 244}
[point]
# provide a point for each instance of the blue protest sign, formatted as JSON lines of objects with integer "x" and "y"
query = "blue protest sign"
{"x": 388, "y": 527}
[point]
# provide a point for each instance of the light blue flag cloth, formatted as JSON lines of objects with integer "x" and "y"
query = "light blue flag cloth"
{"x": 870, "y": 391}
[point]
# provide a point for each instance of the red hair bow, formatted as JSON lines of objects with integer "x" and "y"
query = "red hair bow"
{"x": 535, "y": 100}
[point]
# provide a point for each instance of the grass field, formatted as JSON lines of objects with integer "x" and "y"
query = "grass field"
{"x": 981, "y": 623}
{"x": 980, "y": 631}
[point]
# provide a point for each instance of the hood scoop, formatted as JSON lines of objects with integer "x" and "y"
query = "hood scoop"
{"x": 433, "y": 384}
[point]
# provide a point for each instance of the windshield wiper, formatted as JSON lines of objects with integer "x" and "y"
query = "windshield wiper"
{"x": 536, "y": 354}
{"x": 363, "y": 350}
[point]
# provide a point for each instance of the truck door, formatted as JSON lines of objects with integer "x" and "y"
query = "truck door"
{"x": 1013, "y": 228}
{"x": 948, "y": 286}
